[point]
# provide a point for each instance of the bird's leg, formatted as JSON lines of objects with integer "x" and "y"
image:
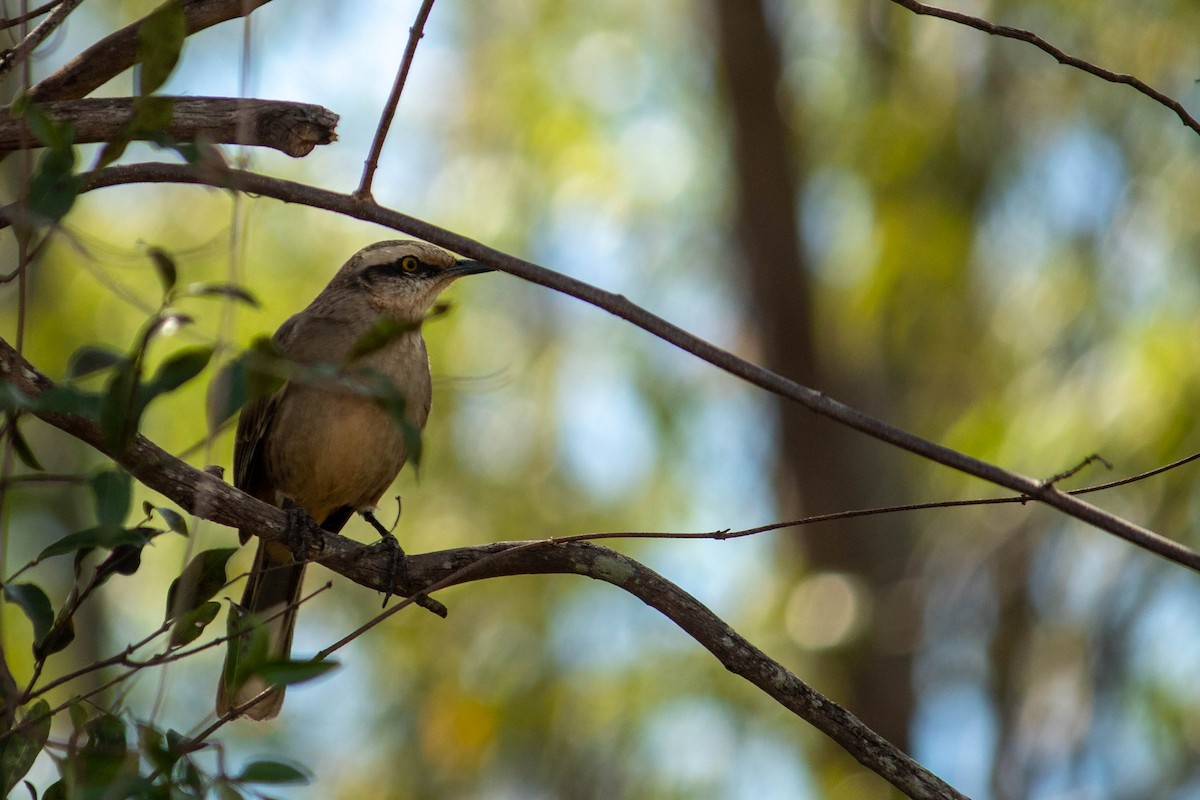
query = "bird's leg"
{"x": 398, "y": 570}
{"x": 301, "y": 537}
{"x": 399, "y": 562}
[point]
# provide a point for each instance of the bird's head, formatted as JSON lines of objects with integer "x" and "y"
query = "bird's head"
{"x": 403, "y": 278}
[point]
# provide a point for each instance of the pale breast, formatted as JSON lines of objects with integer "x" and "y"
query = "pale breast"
{"x": 331, "y": 449}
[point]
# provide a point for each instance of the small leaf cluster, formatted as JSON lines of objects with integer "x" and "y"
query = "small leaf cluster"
{"x": 108, "y": 757}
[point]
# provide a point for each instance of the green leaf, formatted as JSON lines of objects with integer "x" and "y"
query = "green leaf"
{"x": 57, "y": 639}
{"x": 272, "y": 772}
{"x": 30, "y": 598}
{"x": 248, "y": 645}
{"x": 125, "y": 559}
{"x": 54, "y": 185}
{"x": 20, "y": 751}
{"x": 119, "y": 413}
{"x": 177, "y": 370}
{"x": 107, "y": 538}
{"x": 153, "y": 745}
{"x": 106, "y": 731}
{"x": 64, "y": 399}
{"x": 12, "y": 398}
{"x": 190, "y": 625}
{"x": 202, "y": 578}
{"x": 151, "y": 116}
{"x": 21, "y": 446}
{"x": 160, "y": 39}
{"x": 92, "y": 358}
{"x": 173, "y": 518}
{"x": 78, "y": 715}
{"x": 55, "y": 791}
{"x": 193, "y": 779}
{"x": 230, "y": 290}
{"x": 50, "y": 133}
{"x": 226, "y": 393}
{"x": 99, "y": 764}
{"x": 256, "y": 373}
{"x": 165, "y": 266}
{"x": 286, "y": 672}
{"x": 385, "y": 331}
{"x": 113, "y": 493}
{"x": 112, "y": 150}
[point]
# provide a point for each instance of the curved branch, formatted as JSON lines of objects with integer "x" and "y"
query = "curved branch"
{"x": 1058, "y": 55}
{"x": 291, "y": 192}
{"x": 117, "y": 52}
{"x": 291, "y": 128}
{"x": 206, "y": 496}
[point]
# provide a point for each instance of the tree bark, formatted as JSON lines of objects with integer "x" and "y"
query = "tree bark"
{"x": 291, "y": 128}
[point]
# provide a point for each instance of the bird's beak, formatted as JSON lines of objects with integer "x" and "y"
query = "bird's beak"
{"x": 465, "y": 266}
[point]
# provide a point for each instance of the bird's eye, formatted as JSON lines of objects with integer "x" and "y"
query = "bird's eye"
{"x": 410, "y": 264}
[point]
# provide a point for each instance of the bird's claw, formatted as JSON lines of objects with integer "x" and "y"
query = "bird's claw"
{"x": 302, "y": 535}
{"x": 398, "y": 574}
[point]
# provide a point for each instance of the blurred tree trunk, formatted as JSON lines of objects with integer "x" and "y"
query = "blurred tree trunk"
{"x": 822, "y": 466}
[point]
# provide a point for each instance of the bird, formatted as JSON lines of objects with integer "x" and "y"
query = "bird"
{"x": 322, "y": 447}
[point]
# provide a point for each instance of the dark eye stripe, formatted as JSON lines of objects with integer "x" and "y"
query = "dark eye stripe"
{"x": 394, "y": 270}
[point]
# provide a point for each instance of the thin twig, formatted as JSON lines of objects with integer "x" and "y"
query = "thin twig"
{"x": 618, "y": 305}
{"x": 389, "y": 111}
{"x": 815, "y": 519}
{"x": 10, "y": 59}
{"x": 1060, "y": 56}
{"x": 12, "y": 22}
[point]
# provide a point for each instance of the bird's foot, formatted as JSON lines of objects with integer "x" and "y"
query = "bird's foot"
{"x": 398, "y": 574}
{"x": 303, "y": 533}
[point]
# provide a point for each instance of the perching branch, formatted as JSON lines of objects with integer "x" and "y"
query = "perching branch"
{"x": 115, "y": 53}
{"x": 817, "y": 402}
{"x": 1060, "y": 56}
{"x": 206, "y": 496}
{"x": 291, "y": 128}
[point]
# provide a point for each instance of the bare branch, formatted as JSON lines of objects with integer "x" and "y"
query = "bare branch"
{"x": 13, "y": 22}
{"x": 291, "y": 128}
{"x": 206, "y": 496}
{"x": 1061, "y": 57}
{"x": 117, "y": 52}
{"x": 817, "y": 402}
{"x": 11, "y": 58}
{"x": 389, "y": 111}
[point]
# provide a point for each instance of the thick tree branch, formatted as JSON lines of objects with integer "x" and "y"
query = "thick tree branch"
{"x": 348, "y": 205}
{"x": 206, "y": 496}
{"x": 291, "y": 128}
{"x": 1060, "y": 56}
{"x": 117, "y": 52}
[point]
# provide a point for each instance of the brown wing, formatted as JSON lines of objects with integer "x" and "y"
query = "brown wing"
{"x": 249, "y": 470}
{"x": 254, "y": 426}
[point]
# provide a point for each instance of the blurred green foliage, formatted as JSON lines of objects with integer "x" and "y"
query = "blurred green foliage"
{"x": 1002, "y": 251}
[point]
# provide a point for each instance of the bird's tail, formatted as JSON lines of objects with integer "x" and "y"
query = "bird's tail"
{"x": 272, "y": 591}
